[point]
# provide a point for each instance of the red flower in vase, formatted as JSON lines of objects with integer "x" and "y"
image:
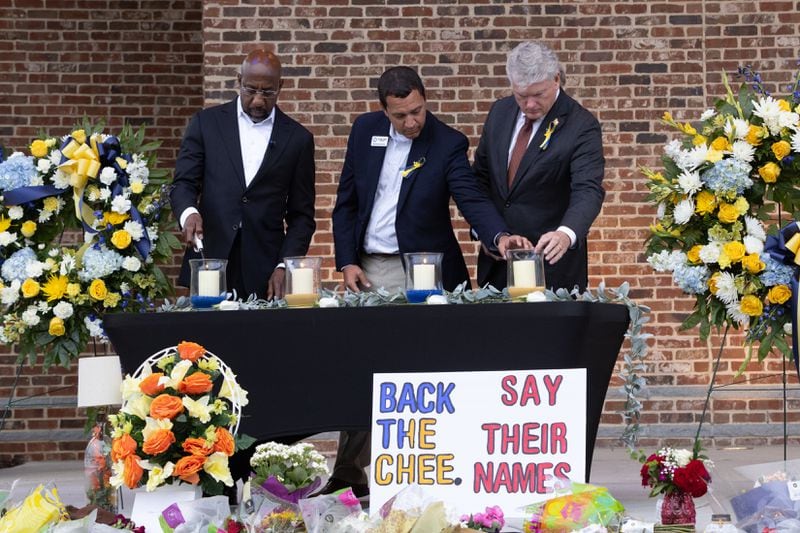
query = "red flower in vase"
{"x": 672, "y": 470}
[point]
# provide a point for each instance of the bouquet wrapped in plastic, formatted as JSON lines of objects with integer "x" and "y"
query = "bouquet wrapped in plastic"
{"x": 39, "y": 510}
{"x": 772, "y": 503}
{"x": 288, "y": 472}
{"x": 585, "y": 505}
{"x": 324, "y": 513}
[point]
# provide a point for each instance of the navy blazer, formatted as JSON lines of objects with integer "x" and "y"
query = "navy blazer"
{"x": 560, "y": 185}
{"x": 209, "y": 175}
{"x": 423, "y": 221}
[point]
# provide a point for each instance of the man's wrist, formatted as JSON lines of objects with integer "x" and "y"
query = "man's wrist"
{"x": 280, "y": 265}
{"x": 500, "y": 236}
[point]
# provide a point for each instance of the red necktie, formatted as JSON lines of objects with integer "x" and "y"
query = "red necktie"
{"x": 519, "y": 149}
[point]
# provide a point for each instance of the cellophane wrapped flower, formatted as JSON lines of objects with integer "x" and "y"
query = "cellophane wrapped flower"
{"x": 289, "y": 472}
{"x": 83, "y": 226}
{"x": 676, "y": 470}
{"x": 173, "y": 427}
{"x": 491, "y": 520}
{"x": 733, "y": 170}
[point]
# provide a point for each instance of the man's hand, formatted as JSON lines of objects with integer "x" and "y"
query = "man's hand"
{"x": 276, "y": 286}
{"x": 510, "y": 242}
{"x": 192, "y": 227}
{"x": 553, "y": 244}
{"x": 353, "y": 277}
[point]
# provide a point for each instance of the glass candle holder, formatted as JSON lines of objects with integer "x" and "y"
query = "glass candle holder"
{"x": 423, "y": 275}
{"x": 208, "y": 285}
{"x": 525, "y": 272}
{"x": 302, "y": 281}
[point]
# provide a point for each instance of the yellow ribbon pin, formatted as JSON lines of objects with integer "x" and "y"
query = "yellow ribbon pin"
{"x": 548, "y": 133}
{"x": 417, "y": 164}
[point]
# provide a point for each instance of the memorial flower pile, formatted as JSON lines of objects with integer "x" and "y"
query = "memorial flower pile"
{"x": 173, "y": 427}
{"x": 729, "y": 174}
{"x": 675, "y": 470}
{"x": 288, "y": 472}
{"x": 83, "y": 224}
{"x": 492, "y": 520}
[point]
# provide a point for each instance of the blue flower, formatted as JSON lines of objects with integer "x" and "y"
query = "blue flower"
{"x": 691, "y": 279}
{"x": 99, "y": 262}
{"x": 775, "y": 273}
{"x": 728, "y": 177}
{"x": 16, "y": 266}
{"x": 16, "y": 172}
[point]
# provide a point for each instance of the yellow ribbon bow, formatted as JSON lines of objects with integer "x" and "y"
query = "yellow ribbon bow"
{"x": 417, "y": 164}
{"x": 548, "y": 133}
{"x": 83, "y": 162}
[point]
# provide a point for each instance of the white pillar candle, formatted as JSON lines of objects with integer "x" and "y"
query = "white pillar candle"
{"x": 524, "y": 273}
{"x": 208, "y": 282}
{"x": 303, "y": 281}
{"x": 424, "y": 277}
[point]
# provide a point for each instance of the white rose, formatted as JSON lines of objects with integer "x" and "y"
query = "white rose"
{"x": 31, "y": 316}
{"x": 63, "y": 310}
{"x": 10, "y": 294}
{"x": 131, "y": 264}
{"x": 15, "y": 213}
{"x": 34, "y": 269}
{"x": 120, "y": 204}
{"x": 43, "y": 165}
{"x": 105, "y": 193}
{"x": 108, "y": 176}
{"x": 7, "y": 238}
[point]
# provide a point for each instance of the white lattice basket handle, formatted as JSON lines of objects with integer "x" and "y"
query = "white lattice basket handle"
{"x": 235, "y": 401}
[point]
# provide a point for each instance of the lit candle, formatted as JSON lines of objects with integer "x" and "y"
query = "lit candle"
{"x": 208, "y": 282}
{"x": 424, "y": 277}
{"x": 303, "y": 281}
{"x": 524, "y": 273}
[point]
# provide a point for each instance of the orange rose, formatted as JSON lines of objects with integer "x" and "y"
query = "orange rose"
{"x": 191, "y": 351}
{"x": 122, "y": 447}
{"x": 187, "y": 468}
{"x": 196, "y": 383}
{"x": 150, "y": 386}
{"x": 133, "y": 472}
{"x": 166, "y": 406}
{"x": 225, "y": 442}
{"x": 195, "y": 446}
{"x": 160, "y": 440}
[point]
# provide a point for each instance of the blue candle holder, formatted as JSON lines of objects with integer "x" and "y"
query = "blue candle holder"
{"x": 423, "y": 275}
{"x": 420, "y": 296}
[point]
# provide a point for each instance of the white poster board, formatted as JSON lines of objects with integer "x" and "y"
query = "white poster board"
{"x": 476, "y": 439}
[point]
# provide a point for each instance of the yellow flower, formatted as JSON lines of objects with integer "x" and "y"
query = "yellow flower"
{"x": 694, "y": 254}
{"x": 755, "y": 135}
{"x": 50, "y": 203}
{"x": 111, "y": 300}
{"x": 137, "y": 187}
{"x": 712, "y": 156}
{"x": 56, "y": 328}
{"x": 38, "y": 148}
{"x": 706, "y": 203}
{"x": 198, "y": 409}
{"x": 50, "y": 142}
{"x": 110, "y": 217}
{"x": 28, "y": 228}
{"x": 688, "y": 129}
{"x": 727, "y": 213}
{"x": 742, "y": 205}
{"x": 55, "y": 287}
{"x": 734, "y": 250}
{"x": 98, "y": 290}
{"x": 784, "y": 105}
{"x": 781, "y": 149}
{"x": 712, "y": 282}
{"x": 667, "y": 117}
{"x": 123, "y": 164}
{"x": 699, "y": 140}
{"x": 751, "y": 305}
{"x": 779, "y": 294}
{"x": 5, "y": 223}
{"x": 139, "y": 406}
{"x": 753, "y": 263}
{"x": 79, "y": 136}
{"x": 216, "y": 466}
{"x": 121, "y": 239}
{"x": 721, "y": 143}
{"x": 73, "y": 289}
{"x": 30, "y": 288}
{"x": 769, "y": 172}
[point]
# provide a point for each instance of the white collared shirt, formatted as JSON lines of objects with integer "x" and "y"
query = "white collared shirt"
{"x": 253, "y": 140}
{"x": 381, "y": 235}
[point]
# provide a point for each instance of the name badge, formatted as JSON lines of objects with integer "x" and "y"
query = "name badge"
{"x": 378, "y": 140}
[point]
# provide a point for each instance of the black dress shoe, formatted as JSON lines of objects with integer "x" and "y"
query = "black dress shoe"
{"x": 335, "y": 484}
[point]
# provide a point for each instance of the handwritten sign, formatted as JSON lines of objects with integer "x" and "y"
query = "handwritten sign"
{"x": 475, "y": 439}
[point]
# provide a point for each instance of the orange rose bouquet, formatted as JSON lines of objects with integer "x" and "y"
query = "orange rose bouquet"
{"x": 178, "y": 422}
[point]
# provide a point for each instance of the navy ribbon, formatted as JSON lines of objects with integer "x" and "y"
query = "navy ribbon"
{"x": 776, "y": 247}
{"x": 23, "y": 195}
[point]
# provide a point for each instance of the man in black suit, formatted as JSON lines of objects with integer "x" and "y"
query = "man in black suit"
{"x": 401, "y": 168}
{"x": 245, "y": 171}
{"x": 540, "y": 158}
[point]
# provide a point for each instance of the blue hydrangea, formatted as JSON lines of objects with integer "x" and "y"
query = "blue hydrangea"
{"x": 98, "y": 262}
{"x": 728, "y": 177}
{"x": 691, "y": 279}
{"x": 15, "y": 266}
{"x": 775, "y": 273}
{"x": 16, "y": 172}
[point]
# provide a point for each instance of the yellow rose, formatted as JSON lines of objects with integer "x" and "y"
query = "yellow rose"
{"x": 121, "y": 239}
{"x": 38, "y": 148}
{"x": 769, "y": 172}
{"x": 706, "y": 202}
{"x": 28, "y": 228}
{"x": 712, "y": 282}
{"x": 784, "y": 105}
{"x": 694, "y": 254}
{"x": 721, "y": 143}
{"x": 712, "y": 156}
{"x": 699, "y": 140}
{"x": 79, "y": 136}
{"x": 110, "y": 217}
{"x": 30, "y": 288}
{"x": 137, "y": 187}
{"x": 56, "y": 328}
{"x": 781, "y": 149}
{"x": 98, "y": 290}
{"x": 734, "y": 250}
{"x": 5, "y": 223}
{"x": 741, "y": 205}
{"x": 111, "y": 300}
{"x": 751, "y": 305}
{"x": 755, "y": 135}
{"x": 779, "y": 294}
{"x": 73, "y": 289}
{"x": 753, "y": 263}
{"x": 727, "y": 213}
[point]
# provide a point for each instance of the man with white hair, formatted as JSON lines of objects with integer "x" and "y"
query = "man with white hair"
{"x": 540, "y": 159}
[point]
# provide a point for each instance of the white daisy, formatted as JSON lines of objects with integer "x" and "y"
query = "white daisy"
{"x": 710, "y": 252}
{"x": 690, "y": 182}
{"x": 683, "y": 211}
{"x": 743, "y": 151}
{"x": 753, "y": 245}
{"x": 726, "y": 288}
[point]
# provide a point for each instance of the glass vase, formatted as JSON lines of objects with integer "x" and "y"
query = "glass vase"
{"x": 678, "y": 508}
{"x": 97, "y": 469}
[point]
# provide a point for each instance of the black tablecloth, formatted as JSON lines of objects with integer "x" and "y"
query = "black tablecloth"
{"x": 310, "y": 370}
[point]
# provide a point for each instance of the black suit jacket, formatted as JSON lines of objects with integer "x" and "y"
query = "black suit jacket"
{"x": 275, "y": 212}
{"x": 423, "y": 221}
{"x": 557, "y": 186}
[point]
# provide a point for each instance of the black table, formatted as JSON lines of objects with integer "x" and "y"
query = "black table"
{"x": 310, "y": 370}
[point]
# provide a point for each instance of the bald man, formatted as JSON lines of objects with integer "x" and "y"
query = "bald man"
{"x": 244, "y": 183}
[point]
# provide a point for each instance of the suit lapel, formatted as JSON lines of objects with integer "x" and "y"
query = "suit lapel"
{"x": 281, "y": 135}
{"x": 229, "y": 133}
{"x": 419, "y": 150}
{"x": 506, "y": 131}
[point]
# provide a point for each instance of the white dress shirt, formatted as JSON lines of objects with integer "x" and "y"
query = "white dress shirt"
{"x": 381, "y": 235}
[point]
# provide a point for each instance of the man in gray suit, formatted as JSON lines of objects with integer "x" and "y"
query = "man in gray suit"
{"x": 540, "y": 158}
